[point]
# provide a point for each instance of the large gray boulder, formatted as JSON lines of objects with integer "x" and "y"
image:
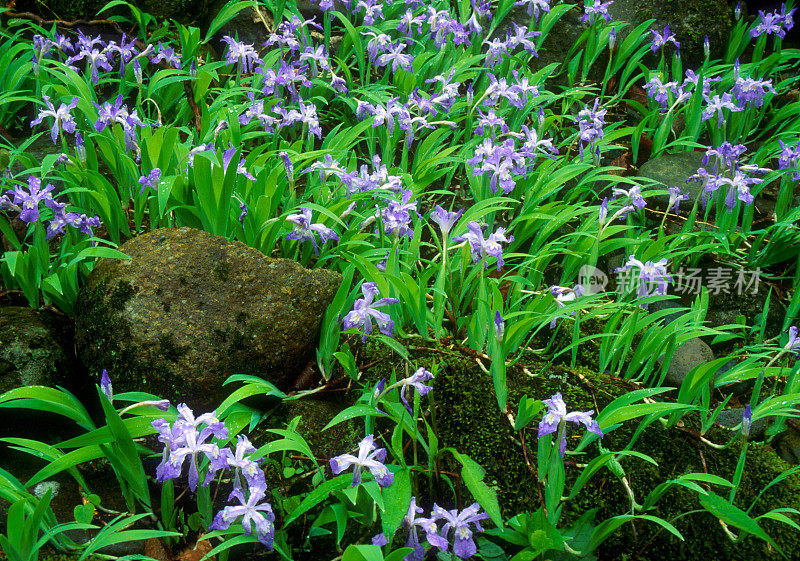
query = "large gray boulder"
{"x": 673, "y": 170}
{"x": 190, "y": 309}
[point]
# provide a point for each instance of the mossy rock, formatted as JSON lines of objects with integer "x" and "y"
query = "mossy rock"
{"x": 184, "y": 11}
{"x": 190, "y": 309}
{"x": 689, "y": 20}
{"x": 466, "y": 417}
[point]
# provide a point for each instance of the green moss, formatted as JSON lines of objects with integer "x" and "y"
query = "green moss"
{"x": 467, "y": 418}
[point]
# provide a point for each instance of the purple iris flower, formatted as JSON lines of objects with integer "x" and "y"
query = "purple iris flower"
{"x": 793, "y": 345}
{"x": 716, "y": 105}
{"x": 254, "y": 514}
{"x": 635, "y": 201}
{"x": 648, "y": 272}
{"x": 364, "y": 310}
{"x": 183, "y": 439}
{"x": 243, "y": 465}
{"x": 590, "y": 123}
{"x": 397, "y": 58}
{"x": 596, "y": 8}
{"x": 484, "y": 248}
{"x": 747, "y": 420}
{"x": 30, "y": 200}
{"x": 63, "y": 119}
{"x": 416, "y": 380}
{"x": 463, "y": 543}
{"x": 242, "y": 53}
{"x": 446, "y": 220}
{"x": 675, "y": 198}
{"x": 150, "y": 180}
{"x": 397, "y": 216}
{"x": 534, "y": 6}
{"x": 660, "y": 40}
{"x": 773, "y": 22}
{"x": 564, "y": 294}
{"x": 498, "y": 49}
{"x": 304, "y": 229}
{"x": 790, "y": 159}
{"x": 167, "y": 55}
{"x": 368, "y": 457}
{"x": 556, "y": 418}
{"x": 60, "y": 220}
{"x": 105, "y": 385}
{"x": 660, "y": 91}
{"x": 410, "y": 521}
{"x": 95, "y": 59}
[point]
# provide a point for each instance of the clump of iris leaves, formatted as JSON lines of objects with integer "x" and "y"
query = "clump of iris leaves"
{"x": 411, "y": 147}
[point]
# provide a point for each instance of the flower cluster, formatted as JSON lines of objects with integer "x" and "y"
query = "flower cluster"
{"x": 27, "y": 204}
{"x": 483, "y": 248}
{"x": 191, "y": 437}
{"x": 590, "y": 124}
{"x": 727, "y": 172}
{"x": 505, "y": 160}
{"x": 774, "y": 22}
{"x": 790, "y": 159}
{"x": 460, "y": 522}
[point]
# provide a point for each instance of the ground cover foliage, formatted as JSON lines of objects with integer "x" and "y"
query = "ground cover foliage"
{"x": 506, "y": 385}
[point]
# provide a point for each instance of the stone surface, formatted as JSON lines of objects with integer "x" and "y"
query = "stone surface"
{"x": 184, "y": 11}
{"x": 672, "y": 170}
{"x": 689, "y": 20}
{"x": 731, "y": 418}
{"x": 688, "y": 355}
{"x": 190, "y": 309}
{"x": 35, "y": 348}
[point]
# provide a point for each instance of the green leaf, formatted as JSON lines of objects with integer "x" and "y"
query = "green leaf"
{"x": 734, "y": 516}
{"x": 362, "y": 552}
{"x": 353, "y": 412}
{"x": 473, "y": 473}
{"x": 319, "y": 494}
{"x": 397, "y": 498}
